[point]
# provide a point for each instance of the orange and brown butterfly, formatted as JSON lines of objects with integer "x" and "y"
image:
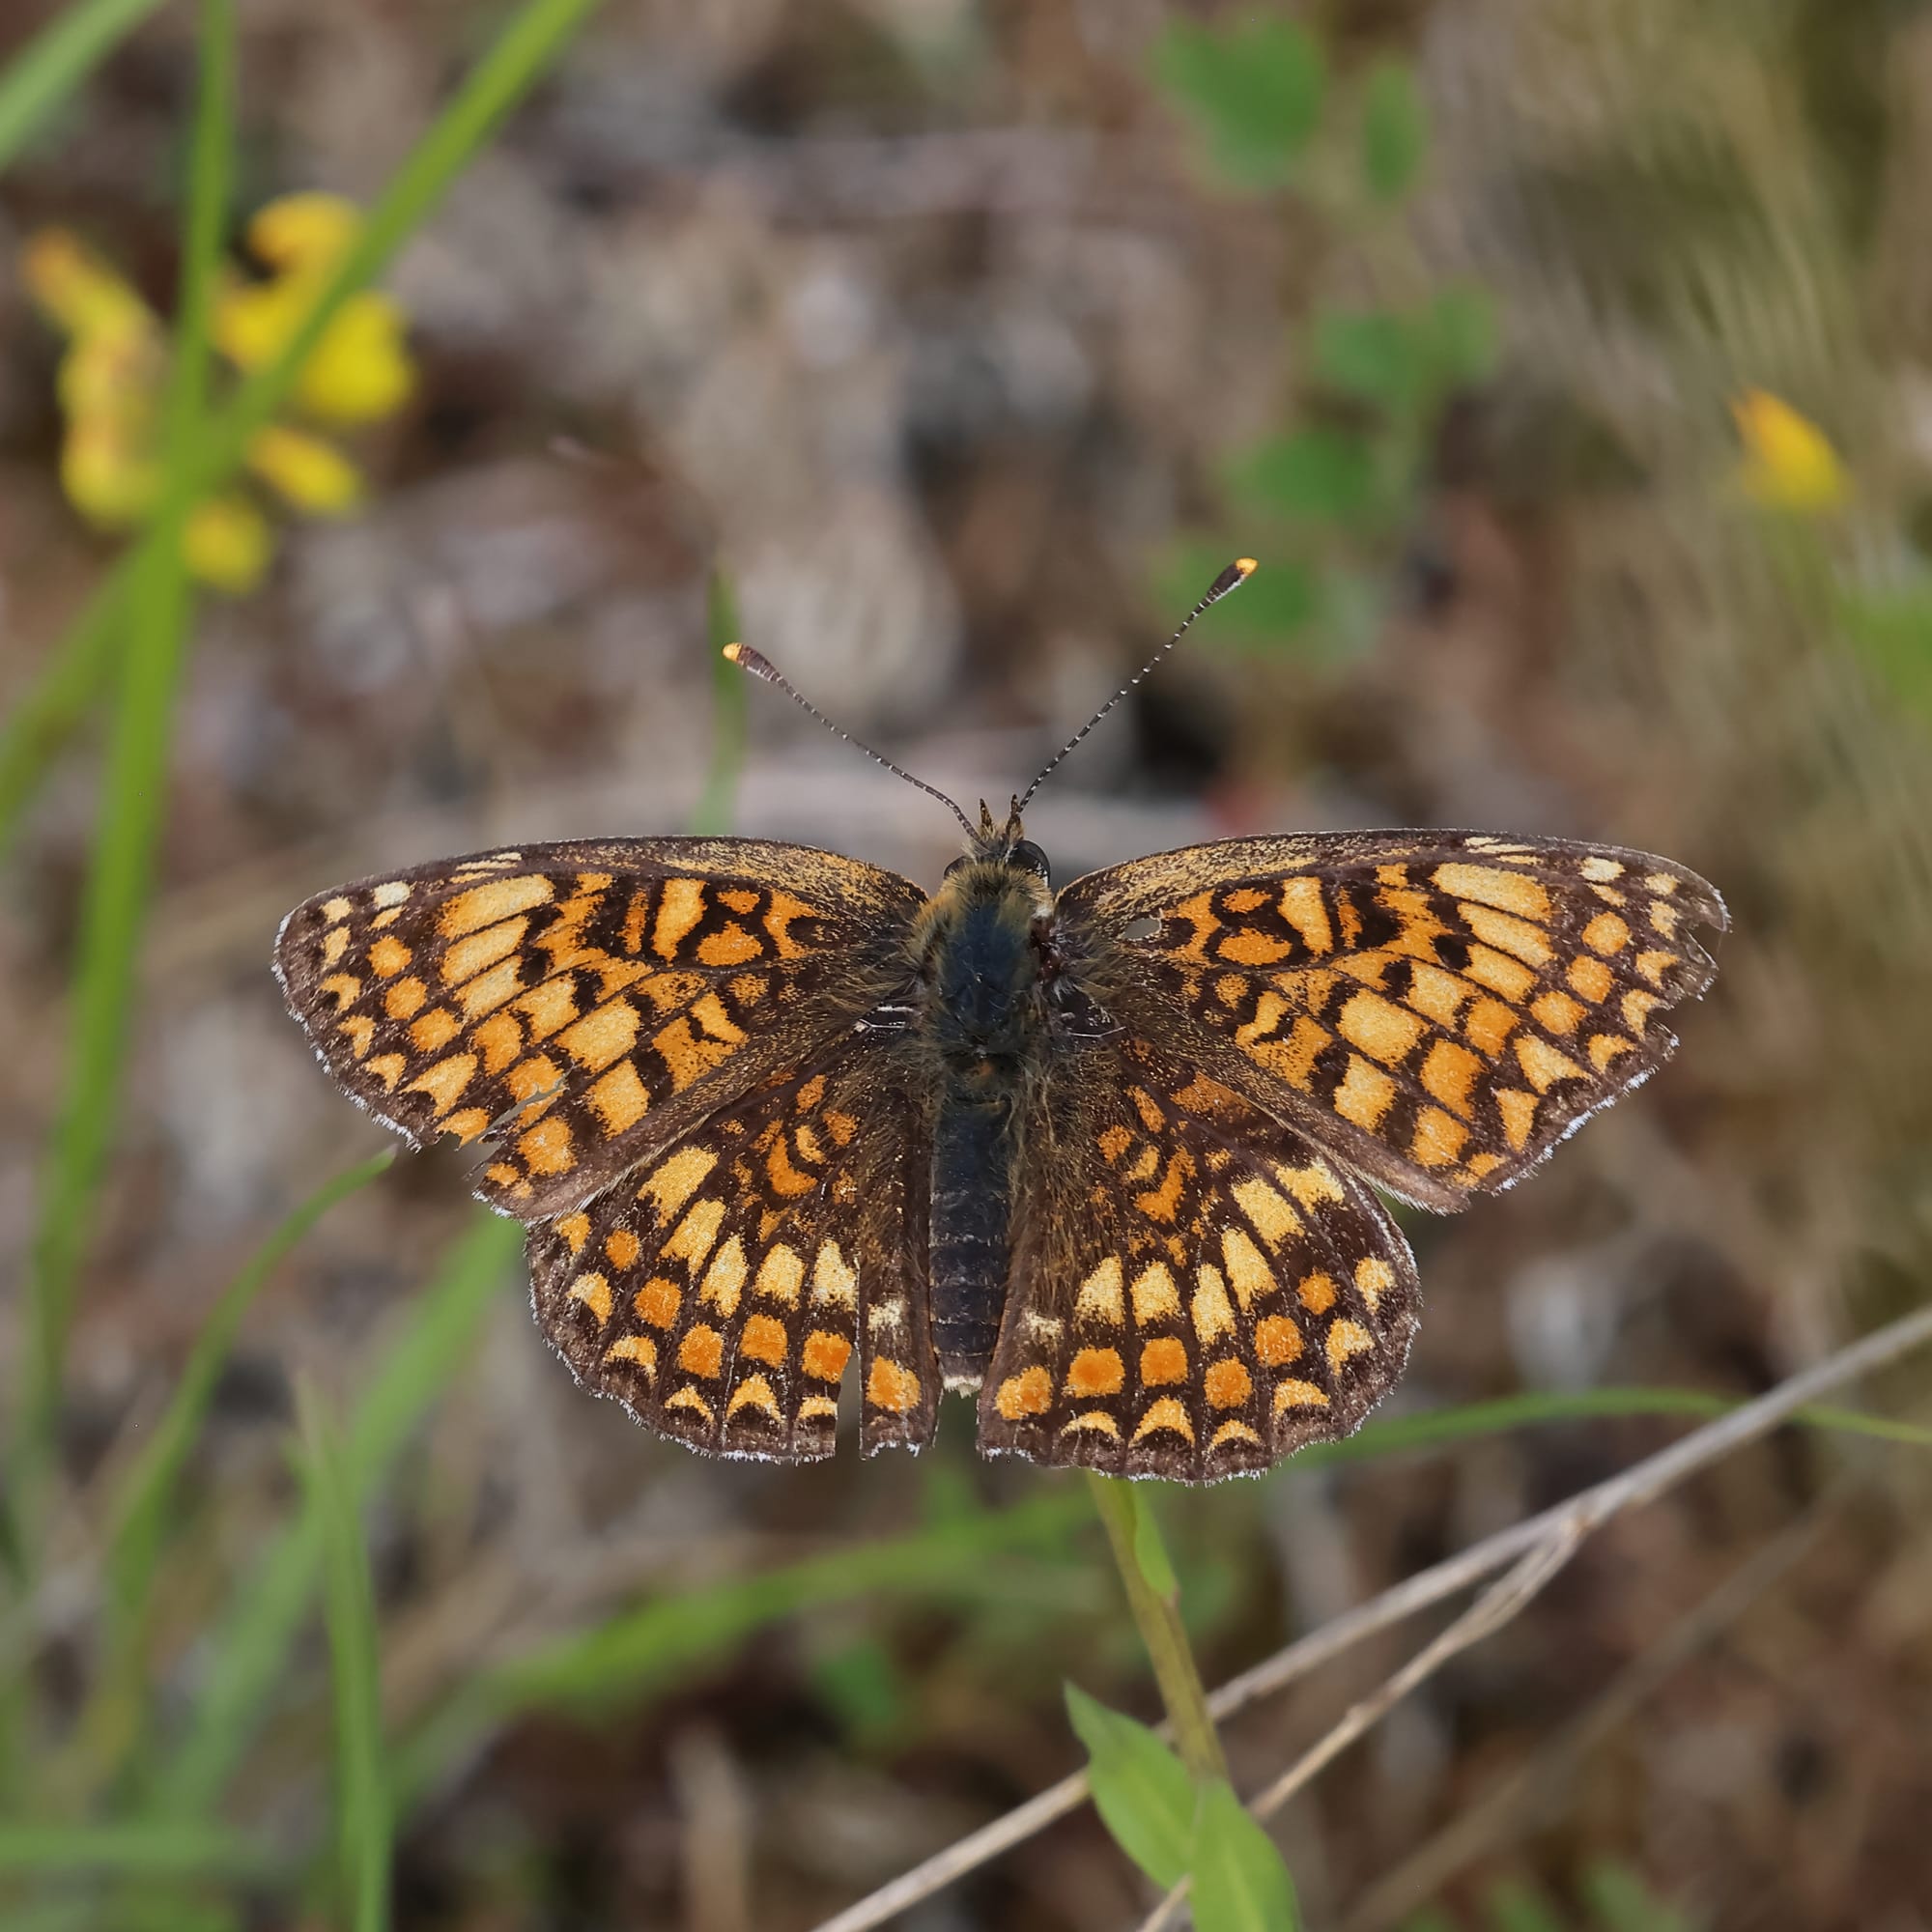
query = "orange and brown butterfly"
{"x": 1111, "y": 1157}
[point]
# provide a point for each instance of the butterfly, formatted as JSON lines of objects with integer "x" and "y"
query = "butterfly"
{"x": 1109, "y": 1159}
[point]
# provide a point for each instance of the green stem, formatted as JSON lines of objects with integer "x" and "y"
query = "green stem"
{"x": 1154, "y": 1598}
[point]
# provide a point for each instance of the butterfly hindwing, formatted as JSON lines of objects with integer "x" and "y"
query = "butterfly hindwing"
{"x": 1197, "y": 1290}
{"x": 1439, "y": 1008}
{"x": 585, "y": 1001}
{"x": 720, "y": 1290}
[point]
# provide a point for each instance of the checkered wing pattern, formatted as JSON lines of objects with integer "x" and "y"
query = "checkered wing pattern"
{"x": 584, "y": 1004}
{"x": 720, "y": 1290}
{"x": 1438, "y": 1009}
{"x": 1197, "y": 1290}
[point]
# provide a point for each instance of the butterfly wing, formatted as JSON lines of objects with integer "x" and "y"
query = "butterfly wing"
{"x": 1197, "y": 1289}
{"x": 586, "y": 1001}
{"x": 719, "y": 1291}
{"x": 1439, "y": 1008}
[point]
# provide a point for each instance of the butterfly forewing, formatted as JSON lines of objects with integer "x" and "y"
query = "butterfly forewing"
{"x": 1439, "y": 1008}
{"x": 720, "y": 1290}
{"x": 587, "y": 1002}
{"x": 1197, "y": 1289}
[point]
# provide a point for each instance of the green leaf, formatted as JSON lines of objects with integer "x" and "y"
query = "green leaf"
{"x": 1149, "y": 1551}
{"x": 1891, "y": 630}
{"x": 1517, "y": 1905}
{"x": 1622, "y": 1902}
{"x": 1240, "y": 1884}
{"x": 1255, "y": 91}
{"x": 1395, "y": 130}
{"x": 1459, "y": 331}
{"x": 41, "y": 77}
{"x": 1369, "y": 353}
{"x": 1141, "y": 1790}
{"x": 1325, "y": 475}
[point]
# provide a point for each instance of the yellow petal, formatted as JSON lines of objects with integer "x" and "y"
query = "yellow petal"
{"x": 228, "y": 543}
{"x": 361, "y": 369}
{"x": 252, "y": 320}
{"x": 116, "y": 372}
{"x": 110, "y": 475}
{"x": 77, "y": 289}
{"x": 314, "y": 475}
{"x": 1789, "y": 463}
{"x": 304, "y": 230}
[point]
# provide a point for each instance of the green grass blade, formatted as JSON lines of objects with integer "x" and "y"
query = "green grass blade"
{"x": 72, "y": 675}
{"x": 56, "y": 60}
{"x": 728, "y": 707}
{"x": 249, "y": 1652}
{"x": 136, "y": 1849}
{"x": 139, "y": 1512}
{"x": 363, "y": 1823}
{"x": 1141, "y": 1789}
{"x": 119, "y": 877}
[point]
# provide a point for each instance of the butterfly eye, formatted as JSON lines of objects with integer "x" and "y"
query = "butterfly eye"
{"x": 1029, "y": 854}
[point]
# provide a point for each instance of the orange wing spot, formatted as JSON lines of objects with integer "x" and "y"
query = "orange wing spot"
{"x": 1027, "y": 1393}
{"x": 1101, "y": 1295}
{"x": 500, "y": 1040}
{"x": 687, "y": 1055}
{"x": 1153, "y": 1295}
{"x": 1542, "y": 1063}
{"x": 671, "y": 1183}
{"x": 1232, "y": 988}
{"x": 1199, "y": 913}
{"x": 1294, "y": 1393}
{"x": 1654, "y": 965}
{"x": 1480, "y": 1164}
{"x": 1163, "y": 1361}
{"x": 573, "y": 1229}
{"x": 1275, "y": 1220}
{"x": 1344, "y": 1338}
{"x": 1210, "y": 1309}
{"x": 509, "y": 1178}
{"x": 1097, "y": 1420}
{"x": 594, "y": 1292}
{"x": 725, "y": 1279}
{"x": 732, "y": 946}
{"x": 780, "y": 916}
{"x": 1435, "y": 994}
{"x": 1638, "y": 1009}
{"x": 530, "y": 1078}
{"x": 361, "y": 1029}
{"x": 1161, "y": 1204}
{"x": 619, "y": 1099}
{"x": 344, "y": 988}
{"x": 1605, "y": 1048}
{"x": 1227, "y": 1383}
{"x": 754, "y": 1392}
{"x": 824, "y": 1356}
{"x": 740, "y": 898}
{"x": 763, "y": 1341}
{"x": 1316, "y": 1293}
{"x": 1311, "y": 1186}
{"x": 658, "y": 1302}
{"x": 388, "y": 1068}
{"x": 549, "y": 1006}
{"x": 701, "y": 1352}
{"x": 1591, "y": 978}
{"x": 603, "y": 1035}
{"x": 468, "y": 957}
{"x": 680, "y": 908}
{"x": 1277, "y": 1342}
{"x": 833, "y": 1279}
{"x": 490, "y": 905}
{"x": 334, "y": 944}
{"x": 1518, "y": 1112}
{"x": 809, "y": 1094}
{"x": 1245, "y": 898}
{"x": 1383, "y": 1031}
{"x": 1508, "y": 934}
{"x": 1606, "y": 934}
{"x": 688, "y": 1398}
{"x": 1233, "y": 1432}
{"x": 1248, "y": 1273}
{"x": 1602, "y": 871}
{"x": 841, "y": 1126}
{"x": 782, "y": 1177}
{"x": 1364, "y": 1096}
{"x": 1166, "y": 1413}
{"x": 817, "y": 1408}
{"x": 445, "y": 1081}
{"x": 1294, "y": 1059}
{"x": 1373, "y": 1278}
{"x": 489, "y": 990}
{"x": 338, "y": 908}
{"x": 467, "y": 1126}
{"x": 1246, "y": 947}
{"x": 434, "y": 1031}
{"x": 1499, "y": 973}
{"x": 1152, "y": 1116}
{"x": 1664, "y": 919}
{"x": 388, "y": 956}
{"x": 1556, "y": 1012}
{"x": 1095, "y": 1372}
{"x": 1304, "y": 908}
{"x": 1112, "y": 1141}
{"x": 546, "y": 1149}
{"x": 1661, "y": 883}
{"x": 632, "y": 939}
{"x": 691, "y": 1240}
{"x": 1509, "y": 892}
{"x": 639, "y": 1350}
{"x": 1488, "y": 1024}
{"x": 781, "y": 1275}
{"x": 405, "y": 998}
{"x": 1439, "y": 1138}
{"x": 622, "y": 1247}
{"x": 891, "y": 1385}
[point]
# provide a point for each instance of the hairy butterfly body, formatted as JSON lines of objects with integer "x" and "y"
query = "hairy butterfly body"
{"x": 778, "y": 1121}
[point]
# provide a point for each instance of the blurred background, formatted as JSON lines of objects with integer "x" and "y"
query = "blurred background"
{"x": 1568, "y": 366}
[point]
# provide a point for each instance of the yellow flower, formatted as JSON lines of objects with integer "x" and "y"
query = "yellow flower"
{"x": 77, "y": 290}
{"x": 1789, "y": 463}
{"x": 228, "y": 544}
{"x": 311, "y": 474}
{"x": 360, "y": 371}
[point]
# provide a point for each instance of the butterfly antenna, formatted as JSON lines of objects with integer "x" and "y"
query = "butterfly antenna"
{"x": 1233, "y": 578}
{"x": 762, "y": 668}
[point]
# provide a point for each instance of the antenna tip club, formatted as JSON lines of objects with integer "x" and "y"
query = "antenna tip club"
{"x": 1231, "y": 579}
{"x": 733, "y": 652}
{"x": 1246, "y": 565}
